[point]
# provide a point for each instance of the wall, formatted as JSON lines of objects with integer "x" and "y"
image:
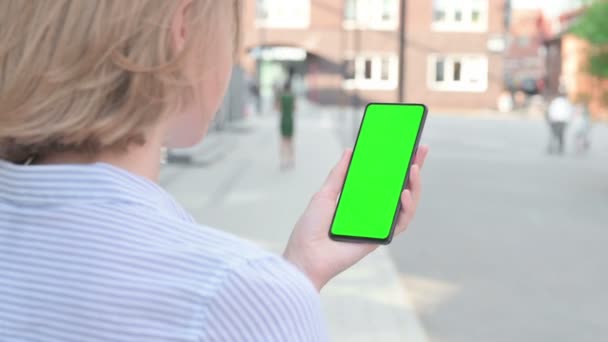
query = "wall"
{"x": 327, "y": 40}
{"x": 422, "y": 41}
{"x": 525, "y": 61}
{"x": 578, "y": 83}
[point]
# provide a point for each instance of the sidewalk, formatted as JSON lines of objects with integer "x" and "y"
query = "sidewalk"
{"x": 246, "y": 194}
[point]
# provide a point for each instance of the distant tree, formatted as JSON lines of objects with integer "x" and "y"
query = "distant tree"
{"x": 593, "y": 27}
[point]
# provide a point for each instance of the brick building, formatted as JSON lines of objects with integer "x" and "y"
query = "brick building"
{"x": 566, "y": 60}
{"x": 347, "y": 51}
{"x": 525, "y": 55}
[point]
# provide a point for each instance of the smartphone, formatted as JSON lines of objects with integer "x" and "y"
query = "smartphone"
{"x": 370, "y": 201}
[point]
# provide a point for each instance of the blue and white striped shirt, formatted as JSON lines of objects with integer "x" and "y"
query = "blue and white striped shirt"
{"x": 94, "y": 253}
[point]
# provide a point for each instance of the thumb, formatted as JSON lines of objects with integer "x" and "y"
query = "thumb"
{"x": 335, "y": 180}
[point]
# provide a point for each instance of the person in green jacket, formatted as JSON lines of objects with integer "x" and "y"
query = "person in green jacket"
{"x": 286, "y": 105}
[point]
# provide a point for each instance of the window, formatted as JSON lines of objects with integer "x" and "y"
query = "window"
{"x": 349, "y": 69}
{"x": 371, "y": 72}
{"x": 385, "y": 69}
{"x": 261, "y": 10}
{"x": 368, "y": 69}
{"x": 460, "y": 16}
{"x": 475, "y": 16}
{"x": 467, "y": 73}
{"x": 350, "y": 10}
{"x": 387, "y": 11}
{"x": 371, "y": 14}
{"x": 283, "y": 14}
{"x": 457, "y": 67}
{"x": 438, "y": 15}
{"x": 439, "y": 68}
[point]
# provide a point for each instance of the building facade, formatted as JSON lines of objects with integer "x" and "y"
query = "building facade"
{"x": 525, "y": 56}
{"x": 346, "y": 52}
{"x": 567, "y": 58}
{"x": 455, "y": 52}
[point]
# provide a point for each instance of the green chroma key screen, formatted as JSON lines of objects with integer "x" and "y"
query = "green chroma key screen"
{"x": 376, "y": 177}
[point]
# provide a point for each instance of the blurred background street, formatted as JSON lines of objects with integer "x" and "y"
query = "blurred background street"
{"x": 509, "y": 243}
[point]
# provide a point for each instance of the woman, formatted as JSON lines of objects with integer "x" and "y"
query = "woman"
{"x": 286, "y": 105}
{"x": 559, "y": 114}
{"x": 91, "y": 248}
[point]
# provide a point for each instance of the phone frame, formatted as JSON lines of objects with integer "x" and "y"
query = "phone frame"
{"x": 389, "y": 238}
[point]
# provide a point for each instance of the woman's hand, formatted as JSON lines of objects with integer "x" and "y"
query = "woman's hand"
{"x": 310, "y": 247}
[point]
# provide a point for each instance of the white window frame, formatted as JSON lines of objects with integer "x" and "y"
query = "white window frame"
{"x": 277, "y": 19}
{"x": 368, "y": 16}
{"x": 375, "y": 82}
{"x": 468, "y": 68}
{"x": 450, "y": 7}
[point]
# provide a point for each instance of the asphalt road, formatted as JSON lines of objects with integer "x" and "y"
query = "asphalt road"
{"x": 510, "y": 244}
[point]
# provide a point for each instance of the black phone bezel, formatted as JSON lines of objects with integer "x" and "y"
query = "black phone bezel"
{"x": 389, "y": 238}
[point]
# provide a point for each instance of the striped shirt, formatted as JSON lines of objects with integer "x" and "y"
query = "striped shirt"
{"x": 94, "y": 253}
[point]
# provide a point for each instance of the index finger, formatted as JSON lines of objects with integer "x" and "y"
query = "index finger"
{"x": 421, "y": 154}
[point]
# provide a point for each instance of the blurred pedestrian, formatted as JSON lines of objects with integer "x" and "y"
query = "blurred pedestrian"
{"x": 286, "y": 106}
{"x": 255, "y": 91}
{"x": 91, "y": 247}
{"x": 559, "y": 114}
{"x": 540, "y": 86}
{"x": 520, "y": 99}
{"x": 582, "y": 127}
{"x": 505, "y": 102}
{"x": 537, "y": 106}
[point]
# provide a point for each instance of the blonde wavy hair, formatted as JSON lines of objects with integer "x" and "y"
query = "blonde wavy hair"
{"x": 85, "y": 76}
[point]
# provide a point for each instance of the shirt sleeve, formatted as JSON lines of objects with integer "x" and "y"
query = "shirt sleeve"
{"x": 265, "y": 300}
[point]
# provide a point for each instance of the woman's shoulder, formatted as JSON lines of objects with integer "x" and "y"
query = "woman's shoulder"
{"x": 171, "y": 234}
{"x": 242, "y": 261}
{"x": 245, "y": 272}
{"x": 270, "y": 293}
{"x": 186, "y": 238}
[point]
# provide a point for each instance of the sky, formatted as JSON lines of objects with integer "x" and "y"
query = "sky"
{"x": 551, "y": 7}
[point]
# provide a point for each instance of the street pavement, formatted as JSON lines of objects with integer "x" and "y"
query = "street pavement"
{"x": 245, "y": 193}
{"x": 509, "y": 244}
